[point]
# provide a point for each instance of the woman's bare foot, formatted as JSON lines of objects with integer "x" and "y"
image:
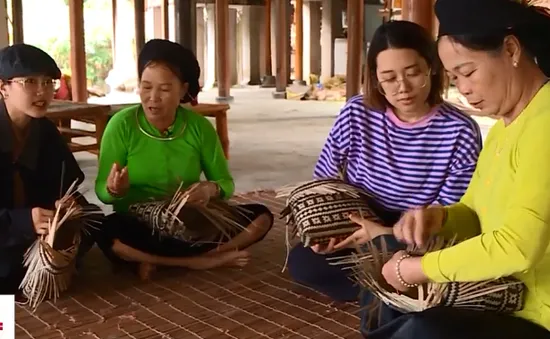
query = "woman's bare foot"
{"x": 146, "y": 270}
{"x": 227, "y": 259}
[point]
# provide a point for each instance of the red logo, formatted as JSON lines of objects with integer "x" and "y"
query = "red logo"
{"x": 1, "y": 326}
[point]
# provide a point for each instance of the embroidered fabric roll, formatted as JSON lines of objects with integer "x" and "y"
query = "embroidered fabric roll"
{"x": 319, "y": 210}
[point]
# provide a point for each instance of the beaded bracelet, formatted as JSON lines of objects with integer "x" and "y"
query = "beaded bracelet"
{"x": 398, "y": 271}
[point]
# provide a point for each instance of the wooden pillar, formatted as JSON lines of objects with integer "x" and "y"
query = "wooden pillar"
{"x": 420, "y": 12}
{"x": 299, "y": 43}
{"x": 282, "y": 48}
{"x": 222, "y": 51}
{"x": 17, "y": 21}
{"x": 165, "y": 19}
{"x": 114, "y": 20}
{"x": 139, "y": 14}
{"x": 356, "y": 27}
{"x": 78, "y": 51}
{"x": 268, "y": 80}
{"x": 186, "y": 23}
{"x": 267, "y": 38}
{"x": 4, "y": 31}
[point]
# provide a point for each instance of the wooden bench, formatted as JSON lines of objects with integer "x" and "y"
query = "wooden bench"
{"x": 216, "y": 111}
{"x": 62, "y": 112}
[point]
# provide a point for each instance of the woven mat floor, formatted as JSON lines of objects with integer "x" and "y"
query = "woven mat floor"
{"x": 256, "y": 302}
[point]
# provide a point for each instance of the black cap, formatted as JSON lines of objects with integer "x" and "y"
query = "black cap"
{"x": 22, "y": 60}
{"x": 465, "y": 17}
{"x": 176, "y": 56}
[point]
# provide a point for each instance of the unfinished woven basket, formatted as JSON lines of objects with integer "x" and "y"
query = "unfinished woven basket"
{"x": 50, "y": 260}
{"x": 319, "y": 210}
{"x": 504, "y": 295}
{"x": 175, "y": 218}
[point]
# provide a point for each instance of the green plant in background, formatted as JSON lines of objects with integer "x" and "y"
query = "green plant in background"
{"x": 56, "y": 41}
{"x": 98, "y": 57}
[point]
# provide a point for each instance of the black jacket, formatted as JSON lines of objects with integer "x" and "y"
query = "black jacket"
{"x": 40, "y": 165}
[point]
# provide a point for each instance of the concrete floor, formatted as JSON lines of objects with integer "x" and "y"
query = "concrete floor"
{"x": 273, "y": 142}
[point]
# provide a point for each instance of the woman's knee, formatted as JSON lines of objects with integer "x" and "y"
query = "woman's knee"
{"x": 262, "y": 221}
{"x": 262, "y": 211}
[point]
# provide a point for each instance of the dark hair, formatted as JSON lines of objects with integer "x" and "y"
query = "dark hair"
{"x": 402, "y": 34}
{"x": 530, "y": 37}
{"x": 178, "y": 59}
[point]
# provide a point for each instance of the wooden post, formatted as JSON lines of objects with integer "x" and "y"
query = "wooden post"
{"x": 420, "y": 12}
{"x": 267, "y": 38}
{"x": 79, "y": 82}
{"x": 222, "y": 51}
{"x": 268, "y": 80}
{"x": 165, "y": 19}
{"x": 4, "y": 30}
{"x": 356, "y": 27}
{"x": 299, "y": 43}
{"x": 17, "y": 21}
{"x": 186, "y": 23}
{"x": 282, "y": 49}
{"x": 114, "y": 19}
{"x": 139, "y": 14}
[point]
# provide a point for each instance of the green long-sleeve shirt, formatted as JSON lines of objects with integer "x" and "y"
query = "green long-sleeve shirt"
{"x": 156, "y": 167}
{"x": 505, "y": 213}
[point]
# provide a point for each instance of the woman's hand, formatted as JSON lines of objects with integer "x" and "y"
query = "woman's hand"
{"x": 41, "y": 220}
{"x": 368, "y": 231}
{"x": 201, "y": 192}
{"x": 325, "y": 248}
{"x": 402, "y": 274}
{"x": 117, "y": 181}
{"x": 416, "y": 226}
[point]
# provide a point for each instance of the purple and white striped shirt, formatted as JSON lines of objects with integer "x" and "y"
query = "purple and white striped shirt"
{"x": 403, "y": 165}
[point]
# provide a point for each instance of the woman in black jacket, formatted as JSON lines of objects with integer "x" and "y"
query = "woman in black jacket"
{"x": 36, "y": 165}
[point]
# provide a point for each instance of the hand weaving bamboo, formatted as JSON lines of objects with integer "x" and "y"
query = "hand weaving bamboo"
{"x": 50, "y": 260}
{"x": 505, "y": 295}
{"x": 193, "y": 223}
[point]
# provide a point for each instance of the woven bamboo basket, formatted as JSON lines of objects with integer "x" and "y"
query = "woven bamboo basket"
{"x": 503, "y": 295}
{"x": 50, "y": 260}
{"x": 319, "y": 210}
{"x": 174, "y": 218}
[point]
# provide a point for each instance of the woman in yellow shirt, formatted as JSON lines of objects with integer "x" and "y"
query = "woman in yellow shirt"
{"x": 497, "y": 53}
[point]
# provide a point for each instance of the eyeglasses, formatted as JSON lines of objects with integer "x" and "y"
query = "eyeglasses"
{"x": 415, "y": 80}
{"x": 34, "y": 84}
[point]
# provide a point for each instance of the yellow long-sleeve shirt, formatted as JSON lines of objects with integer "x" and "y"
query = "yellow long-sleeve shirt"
{"x": 505, "y": 213}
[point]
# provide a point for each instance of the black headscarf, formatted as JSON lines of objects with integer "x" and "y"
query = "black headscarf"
{"x": 179, "y": 58}
{"x": 485, "y": 17}
{"x": 21, "y": 60}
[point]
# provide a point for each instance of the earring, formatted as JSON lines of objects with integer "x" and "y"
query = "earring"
{"x": 515, "y": 64}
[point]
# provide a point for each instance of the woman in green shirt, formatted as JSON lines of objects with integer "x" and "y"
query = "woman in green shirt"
{"x": 149, "y": 149}
{"x": 497, "y": 54}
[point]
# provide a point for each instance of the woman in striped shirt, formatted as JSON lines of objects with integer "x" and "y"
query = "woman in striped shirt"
{"x": 400, "y": 142}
